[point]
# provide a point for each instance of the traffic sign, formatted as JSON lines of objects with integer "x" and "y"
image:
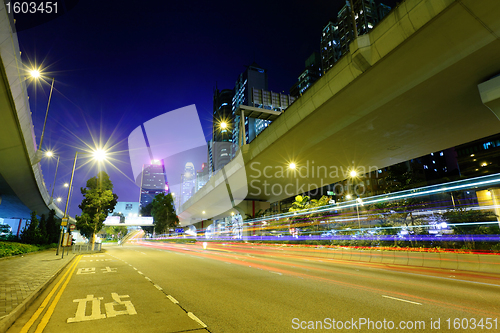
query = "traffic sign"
{"x": 71, "y": 227}
{"x": 330, "y": 193}
{"x": 64, "y": 221}
{"x": 331, "y": 202}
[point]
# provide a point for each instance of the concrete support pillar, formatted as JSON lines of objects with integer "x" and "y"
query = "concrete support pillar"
{"x": 495, "y": 198}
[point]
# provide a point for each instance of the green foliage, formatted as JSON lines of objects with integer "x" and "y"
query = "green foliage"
{"x": 11, "y": 248}
{"x": 31, "y": 234}
{"x": 53, "y": 227}
{"x": 163, "y": 213}
{"x": 115, "y": 232}
{"x": 122, "y": 217}
{"x": 98, "y": 202}
{"x": 146, "y": 211}
{"x": 462, "y": 217}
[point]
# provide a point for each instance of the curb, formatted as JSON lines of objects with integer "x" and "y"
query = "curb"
{"x": 7, "y": 321}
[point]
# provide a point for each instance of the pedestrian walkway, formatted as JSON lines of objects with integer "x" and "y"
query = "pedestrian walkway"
{"x": 22, "y": 278}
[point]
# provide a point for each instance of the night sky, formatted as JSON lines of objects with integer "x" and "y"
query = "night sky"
{"x": 118, "y": 64}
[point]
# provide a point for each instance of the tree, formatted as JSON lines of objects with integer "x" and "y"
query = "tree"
{"x": 146, "y": 211}
{"x": 31, "y": 233}
{"x": 122, "y": 217}
{"x": 163, "y": 213}
{"x": 98, "y": 202}
{"x": 53, "y": 226}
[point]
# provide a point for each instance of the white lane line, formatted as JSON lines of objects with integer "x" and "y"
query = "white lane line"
{"x": 134, "y": 268}
{"x": 172, "y": 299}
{"x": 192, "y": 316}
{"x": 147, "y": 278}
{"x": 402, "y": 300}
{"x": 158, "y": 287}
{"x": 276, "y": 273}
{"x": 140, "y": 272}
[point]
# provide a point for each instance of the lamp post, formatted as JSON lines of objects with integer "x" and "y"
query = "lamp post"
{"x": 359, "y": 201}
{"x": 98, "y": 154}
{"x": 38, "y": 155}
{"x": 49, "y": 154}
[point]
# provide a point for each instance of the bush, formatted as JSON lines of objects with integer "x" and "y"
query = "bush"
{"x": 10, "y": 248}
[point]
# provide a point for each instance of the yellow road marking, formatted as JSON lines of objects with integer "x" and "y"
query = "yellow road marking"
{"x": 35, "y": 316}
{"x": 50, "y": 310}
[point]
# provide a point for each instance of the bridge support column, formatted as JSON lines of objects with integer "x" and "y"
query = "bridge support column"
{"x": 490, "y": 94}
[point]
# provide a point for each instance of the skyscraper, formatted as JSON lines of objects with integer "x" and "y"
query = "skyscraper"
{"x": 367, "y": 14}
{"x": 309, "y": 75}
{"x": 330, "y": 46}
{"x": 153, "y": 181}
{"x": 337, "y": 36}
{"x": 188, "y": 182}
{"x": 253, "y": 77}
{"x": 222, "y": 127}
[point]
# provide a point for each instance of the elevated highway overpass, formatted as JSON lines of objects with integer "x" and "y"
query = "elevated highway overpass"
{"x": 22, "y": 188}
{"x": 423, "y": 80}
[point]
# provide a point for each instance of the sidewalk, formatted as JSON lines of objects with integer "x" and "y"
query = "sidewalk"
{"x": 23, "y": 278}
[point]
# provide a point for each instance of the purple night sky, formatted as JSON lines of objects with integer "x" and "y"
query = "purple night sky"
{"x": 118, "y": 64}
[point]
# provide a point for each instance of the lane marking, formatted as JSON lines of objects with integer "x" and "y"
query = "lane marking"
{"x": 51, "y": 308}
{"x": 402, "y": 300}
{"x": 140, "y": 272}
{"x": 172, "y": 299}
{"x": 276, "y": 273}
{"x": 35, "y": 316}
{"x": 147, "y": 278}
{"x": 192, "y": 316}
{"x": 158, "y": 287}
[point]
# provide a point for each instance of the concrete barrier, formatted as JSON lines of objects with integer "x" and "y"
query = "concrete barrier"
{"x": 431, "y": 259}
{"x": 388, "y": 257}
{"x": 415, "y": 259}
{"x": 449, "y": 261}
{"x": 401, "y": 258}
{"x": 468, "y": 262}
{"x": 489, "y": 263}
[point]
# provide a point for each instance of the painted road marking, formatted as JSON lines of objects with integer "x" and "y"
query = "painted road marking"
{"x": 50, "y": 310}
{"x": 96, "y": 308}
{"x": 158, "y": 287}
{"x": 86, "y": 271}
{"x": 35, "y": 316}
{"x": 402, "y": 300}
{"x": 172, "y": 299}
{"x": 108, "y": 270}
{"x": 192, "y": 316}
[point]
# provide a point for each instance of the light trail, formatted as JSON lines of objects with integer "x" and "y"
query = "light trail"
{"x": 253, "y": 262}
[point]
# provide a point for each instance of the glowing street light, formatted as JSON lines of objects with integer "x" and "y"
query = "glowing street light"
{"x": 292, "y": 166}
{"x": 50, "y": 154}
{"x": 223, "y": 125}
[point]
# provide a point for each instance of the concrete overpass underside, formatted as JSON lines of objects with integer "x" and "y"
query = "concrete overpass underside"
{"x": 406, "y": 89}
{"x": 22, "y": 188}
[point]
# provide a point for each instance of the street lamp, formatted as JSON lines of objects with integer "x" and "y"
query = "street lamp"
{"x": 99, "y": 155}
{"x": 35, "y": 74}
{"x": 50, "y": 154}
{"x": 359, "y": 201}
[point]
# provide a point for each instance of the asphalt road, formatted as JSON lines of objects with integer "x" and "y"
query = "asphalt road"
{"x": 243, "y": 288}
